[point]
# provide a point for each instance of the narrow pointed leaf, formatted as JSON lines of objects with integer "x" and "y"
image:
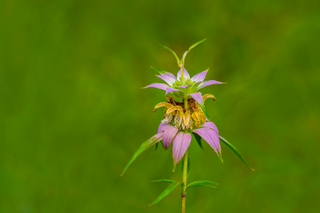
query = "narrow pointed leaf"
{"x": 163, "y": 180}
{"x": 204, "y": 109}
{"x": 175, "y": 55}
{"x": 235, "y": 150}
{"x": 201, "y": 185}
{"x": 198, "y": 139}
{"x": 161, "y": 142}
{"x": 196, "y": 183}
{"x": 184, "y": 56}
{"x": 157, "y": 146}
{"x": 194, "y": 45}
{"x": 190, "y": 48}
{"x": 220, "y": 157}
{"x": 166, "y": 192}
{"x": 195, "y": 86}
{"x": 144, "y": 146}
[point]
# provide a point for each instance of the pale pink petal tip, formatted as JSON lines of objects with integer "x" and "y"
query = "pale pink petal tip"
{"x": 199, "y": 77}
{"x": 169, "y": 78}
{"x": 169, "y": 89}
{"x": 168, "y": 136}
{"x": 158, "y": 85}
{"x": 163, "y": 126}
{"x": 185, "y": 86}
{"x": 197, "y": 97}
{"x": 180, "y": 145}
{"x": 211, "y": 125}
{"x": 211, "y": 137}
{"x": 207, "y": 83}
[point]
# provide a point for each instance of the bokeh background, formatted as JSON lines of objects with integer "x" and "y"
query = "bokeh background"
{"x": 72, "y": 111}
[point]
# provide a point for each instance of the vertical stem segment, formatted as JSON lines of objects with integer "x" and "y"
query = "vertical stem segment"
{"x": 182, "y": 79}
{"x": 184, "y": 183}
{"x": 185, "y": 169}
{"x": 186, "y": 104}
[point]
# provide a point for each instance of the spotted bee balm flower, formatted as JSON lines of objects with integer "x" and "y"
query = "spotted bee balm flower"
{"x": 182, "y": 119}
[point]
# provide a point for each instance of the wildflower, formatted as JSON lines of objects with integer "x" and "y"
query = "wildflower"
{"x": 184, "y": 121}
{"x": 181, "y": 119}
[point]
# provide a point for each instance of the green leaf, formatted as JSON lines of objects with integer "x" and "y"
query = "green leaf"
{"x": 194, "y": 88}
{"x": 166, "y": 192}
{"x": 200, "y": 183}
{"x": 190, "y": 48}
{"x": 175, "y": 55}
{"x": 157, "y": 146}
{"x": 162, "y": 144}
{"x": 184, "y": 56}
{"x": 144, "y": 146}
{"x": 220, "y": 157}
{"x": 159, "y": 71}
{"x": 198, "y": 139}
{"x": 204, "y": 109}
{"x": 235, "y": 150}
{"x": 163, "y": 180}
{"x": 194, "y": 45}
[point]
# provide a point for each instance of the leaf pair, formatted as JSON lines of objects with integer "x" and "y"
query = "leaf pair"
{"x": 175, "y": 184}
{"x": 181, "y": 62}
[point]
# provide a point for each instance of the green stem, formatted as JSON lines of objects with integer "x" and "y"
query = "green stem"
{"x": 184, "y": 183}
{"x": 182, "y": 79}
{"x": 185, "y": 169}
{"x": 185, "y": 104}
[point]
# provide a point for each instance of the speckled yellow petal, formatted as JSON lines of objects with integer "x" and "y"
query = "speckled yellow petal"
{"x": 171, "y": 99}
{"x": 197, "y": 106}
{"x": 202, "y": 116}
{"x": 186, "y": 118}
{"x": 167, "y": 118}
{"x": 206, "y": 96}
{"x": 162, "y": 104}
{"x": 174, "y": 108}
{"x": 196, "y": 118}
{"x": 178, "y": 121}
{"x": 190, "y": 124}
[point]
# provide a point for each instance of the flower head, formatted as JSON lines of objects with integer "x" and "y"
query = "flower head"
{"x": 183, "y": 86}
{"x": 179, "y": 122}
{"x": 181, "y": 119}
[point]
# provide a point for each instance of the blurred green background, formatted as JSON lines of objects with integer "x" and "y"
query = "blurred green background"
{"x": 72, "y": 112}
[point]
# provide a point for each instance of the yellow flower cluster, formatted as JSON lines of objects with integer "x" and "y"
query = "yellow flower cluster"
{"x": 183, "y": 118}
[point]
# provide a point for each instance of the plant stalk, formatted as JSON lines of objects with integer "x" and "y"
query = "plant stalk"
{"x": 182, "y": 79}
{"x": 185, "y": 169}
{"x": 184, "y": 183}
{"x": 185, "y": 103}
